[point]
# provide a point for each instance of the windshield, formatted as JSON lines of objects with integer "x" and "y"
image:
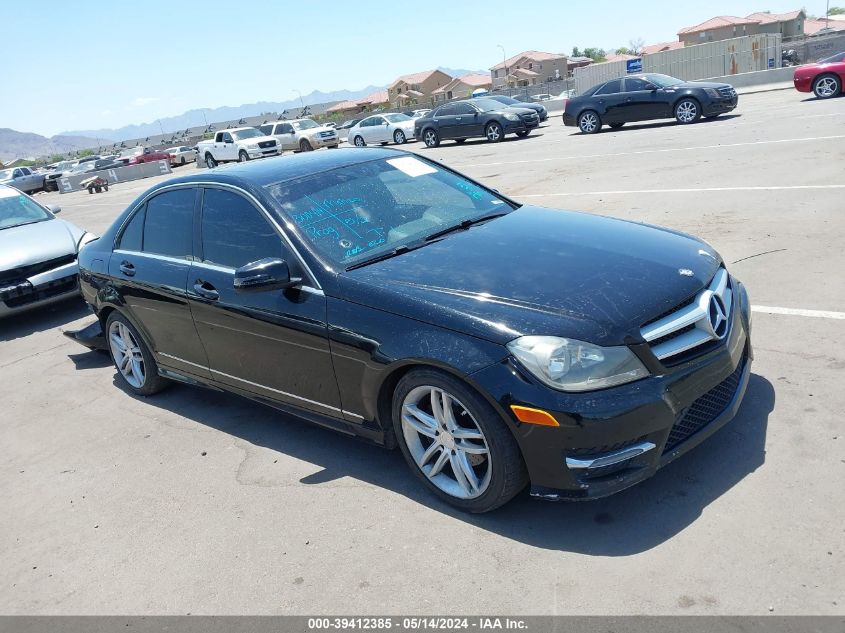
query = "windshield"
{"x": 305, "y": 124}
{"x": 486, "y": 104}
{"x": 18, "y": 210}
{"x": 5, "y": 174}
{"x": 664, "y": 81}
{"x": 503, "y": 99}
{"x": 397, "y": 118}
{"x": 839, "y": 57}
{"x": 240, "y": 135}
{"x": 357, "y": 212}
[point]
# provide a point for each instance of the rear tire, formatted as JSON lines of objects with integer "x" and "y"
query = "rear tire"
{"x": 687, "y": 111}
{"x": 431, "y": 138}
{"x": 494, "y": 132}
{"x": 128, "y": 350}
{"x": 827, "y": 86}
{"x": 589, "y": 122}
{"x": 480, "y": 465}
{"x": 243, "y": 157}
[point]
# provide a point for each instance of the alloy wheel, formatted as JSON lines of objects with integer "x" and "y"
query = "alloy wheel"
{"x": 687, "y": 112}
{"x": 588, "y": 122}
{"x": 446, "y": 442}
{"x": 430, "y": 138}
{"x": 359, "y": 142}
{"x": 127, "y": 354}
{"x": 826, "y": 87}
{"x": 399, "y": 137}
{"x": 209, "y": 162}
{"x": 494, "y": 133}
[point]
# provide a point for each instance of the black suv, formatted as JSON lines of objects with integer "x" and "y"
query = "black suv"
{"x": 482, "y": 117}
{"x": 645, "y": 97}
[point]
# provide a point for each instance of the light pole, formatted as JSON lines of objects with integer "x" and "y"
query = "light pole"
{"x": 504, "y": 63}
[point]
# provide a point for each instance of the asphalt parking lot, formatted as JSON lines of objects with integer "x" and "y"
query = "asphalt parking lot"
{"x": 201, "y": 502}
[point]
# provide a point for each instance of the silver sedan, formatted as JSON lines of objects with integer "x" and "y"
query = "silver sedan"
{"x": 37, "y": 254}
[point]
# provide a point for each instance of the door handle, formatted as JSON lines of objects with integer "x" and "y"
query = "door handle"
{"x": 127, "y": 268}
{"x": 206, "y": 290}
{"x": 457, "y": 118}
{"x": 629, "y": 99}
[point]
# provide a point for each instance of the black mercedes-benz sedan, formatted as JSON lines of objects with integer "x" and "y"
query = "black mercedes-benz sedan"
{"x": 384, "y": 295}
{"x": 646, "y": 97}
{"x": 480, "y": 117}
{"x": 510, "y": 101}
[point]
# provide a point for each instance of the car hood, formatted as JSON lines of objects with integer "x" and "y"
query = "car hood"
{"x": 540, "y": 271}
{"x": 317, "y": 130}
{"x": 37, "y": 242}
{"x": 517, "y": 109}
{"x": 700, "y": 84}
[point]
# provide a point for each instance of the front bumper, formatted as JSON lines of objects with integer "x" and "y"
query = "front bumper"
{"x": 719, "y": 106}
{"x": 803, "y": 84}
{"x": 611, "y": 439}
{"x": 324, "y": 142}
{"x": 52, "y": 286}
{"x": 263, "y": 153}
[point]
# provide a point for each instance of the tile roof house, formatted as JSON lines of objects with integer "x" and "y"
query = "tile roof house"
{"x": 723, "y": 27}
{"x": 812, "y": 27}
{"x": 462, "y": 87}
{"x": 529, "y": 68}
{"x": 416, "y": 88}
{"x": 620, "y": 57}
{"x": 661, "y": 46}
{"x": 370, "y": 102}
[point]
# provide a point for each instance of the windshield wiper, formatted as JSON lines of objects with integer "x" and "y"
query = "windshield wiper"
{"x": 399, "y": 250}
{"x": 463, "y": 225}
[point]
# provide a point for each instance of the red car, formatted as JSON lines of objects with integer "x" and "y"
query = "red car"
{"x": 823, "y": 78}
{"x": 138, "y": 155}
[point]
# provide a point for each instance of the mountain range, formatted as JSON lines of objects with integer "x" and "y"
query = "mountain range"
{"x": 25, "y": 144}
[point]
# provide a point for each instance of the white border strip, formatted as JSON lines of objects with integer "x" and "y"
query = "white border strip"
{"x": 698, "y": 190}
{"x": 819, "y": 314}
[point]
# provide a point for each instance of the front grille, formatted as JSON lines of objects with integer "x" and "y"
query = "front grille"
{"x": 695, "y": 325}
{"x": 45, "y": 291}
{"x": 266, "y": 144}
{"x": 727, "y": 92}
{"x": 327, "y": 134}
{"x": 530, "y": 119}
{"x": 17, "y": 275}
{"x": 705, "y": 409}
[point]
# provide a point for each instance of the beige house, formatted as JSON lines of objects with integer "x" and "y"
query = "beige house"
{"x": 725, "y": 27}
{"x": 529, "y": 68}
{"x": 364, "y": 104}
{"x": 462, "y": 87}
{"x": 416, "y": 89}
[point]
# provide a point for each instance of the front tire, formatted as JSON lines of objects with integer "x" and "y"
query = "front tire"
{"x": 243, "y": 157}
{"x": 455, "y": 442}
{"x": 358, "y": 141}
{"x": 687, "y": 111}
{"x": 431, "y": 138}
{"x": 399, "y": 137}
{"x": 135, "y": 365}
{"x": 827, "y": 86}
{"x": 494, "y": 132}
{"x": 210, "y": 162}
{"x": 589, "y": 122}
{"x": 305, "y": 146}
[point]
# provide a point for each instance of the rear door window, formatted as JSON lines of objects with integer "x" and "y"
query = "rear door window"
{"x": 168, "y": 227}
{"x": 133, "y": 234}
{"x": 611, "y": 87}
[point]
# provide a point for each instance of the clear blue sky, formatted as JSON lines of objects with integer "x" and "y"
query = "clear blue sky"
{"x": 233, "y": 52}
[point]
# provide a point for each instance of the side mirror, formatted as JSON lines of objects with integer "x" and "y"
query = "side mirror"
{"x": 266, "y": 274}
{"x": 54, "y": 208}
{"x": 651, "y": 87}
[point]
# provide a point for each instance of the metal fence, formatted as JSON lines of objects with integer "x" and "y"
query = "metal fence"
{"x": 713, "y": 59}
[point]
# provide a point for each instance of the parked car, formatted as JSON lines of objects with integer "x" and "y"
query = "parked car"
{"x": 98, "y": 164}
{"x": 382, "y": 128}
{"x": 541, "y": 97}
{"x": 301, "y": 135}
{"x": 477, "y": 117}
{"x": 181, "y": 155}
{"x": 330, "y": 124}
{"x": 54, "y": 172}
{"x": 510, "y": 101}
{"x": 647, "y": 97}
{"x": 37, "y": 254}
{"x": 346, "y": 125}
{"x": 140, "y": 154}
{"x": 824, "y": 78}
{"x": 239, "y": 144}
{"x": 367, "y": 291}
{"x": 22, "y": 179}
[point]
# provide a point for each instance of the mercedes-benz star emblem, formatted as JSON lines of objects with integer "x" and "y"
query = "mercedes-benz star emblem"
{"x": 718, "y": 317}
{"x": 686, "y": 272}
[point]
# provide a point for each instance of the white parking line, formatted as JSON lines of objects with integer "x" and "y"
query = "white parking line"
{"x": 660, "y": 151}
{"x": 819, "y": 314}
{"x": 697, "y": 190}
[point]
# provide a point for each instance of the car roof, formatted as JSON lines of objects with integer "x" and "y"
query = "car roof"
{"x": 271, "y": 170}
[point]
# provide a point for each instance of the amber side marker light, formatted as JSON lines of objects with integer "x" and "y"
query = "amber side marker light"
{"x": 533, "y": 416}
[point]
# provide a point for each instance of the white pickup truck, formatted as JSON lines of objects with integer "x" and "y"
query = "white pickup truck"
{"x": 240, "y": 144}
{"x": 301, "y": 135}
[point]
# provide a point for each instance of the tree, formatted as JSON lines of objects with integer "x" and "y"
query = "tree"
{"x": 624, "y": 50}
{"x": 636, "y": 46}
{"x": 576, "y": 52}
{"x": 86, "y": 152}
{"x": 836, "y": 11}
{"x": 596, "y": 54}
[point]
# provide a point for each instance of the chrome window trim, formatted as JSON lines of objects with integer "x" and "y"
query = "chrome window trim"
{"x": 226, "y": 269}
{"x": 255, "y": 384}
{"x": 219, "y": 185}
{"x": 164, "y": 258}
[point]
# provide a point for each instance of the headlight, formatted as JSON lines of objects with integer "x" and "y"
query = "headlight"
{"x": 570, "y": 365}
{"x": 511, "y": 117}
{"x": 712, "y": 92}
{"x": 252, "y": 146}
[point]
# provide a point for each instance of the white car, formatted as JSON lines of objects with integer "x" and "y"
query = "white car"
{"x": 301, "y": 135}
{"x": 382, "y": 128}
{"x": 181, "y": 155}
{"x": 240, "y": 144}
